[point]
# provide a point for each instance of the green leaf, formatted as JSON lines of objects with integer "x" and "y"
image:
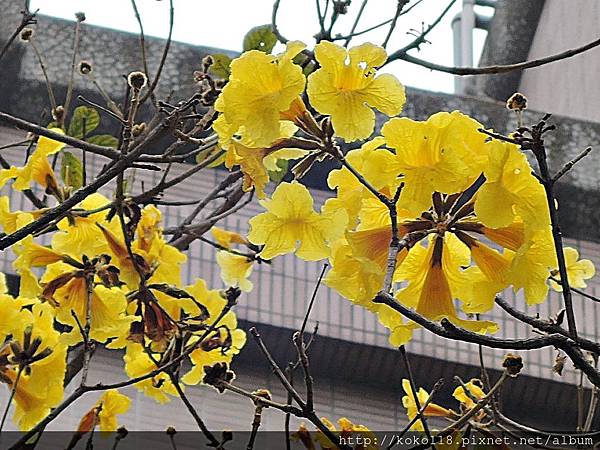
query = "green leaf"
{"x": 220, "y": 66}
{"x": 84, "y": 118}
{"x": 277, "y": 175}
{"x": 260, "y": 38}
{"x": 71, "y": 170}
{"x": 106, "y": 140}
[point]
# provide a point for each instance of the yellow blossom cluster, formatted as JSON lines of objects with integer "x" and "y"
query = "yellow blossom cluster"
{"x": 470, "y": 218}
{"x": 87, "y": 285}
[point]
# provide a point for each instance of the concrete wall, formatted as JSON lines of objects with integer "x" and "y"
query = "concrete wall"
{"x": 569, "y": 87}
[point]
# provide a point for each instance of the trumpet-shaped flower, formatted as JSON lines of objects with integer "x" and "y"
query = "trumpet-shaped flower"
{"x": 235, "y": 269}
{"x": 433, "y": 275}
{"x": 357, "y": 279}
{"x": 578, "y": 270}
{"x": 531, "y": 265}
{"x": 346, "y": 87}
{"x": 510, "y": 190}
{"x": 226, "y": 339}
{"x": 446, "y": 153}
{"x": 138, "y": 363}
{"x": 112, "y": 403}
{"x": 253, "y": 159}
{"x": 475, "y": 391}
{"x": 409, "y": 401}
{"x": 377, "y": 165}
{"x": 40, "y": 387}
{"x": 69, "y": 293}
{"x": 37, "y": 167}
{"x": 227, "y": 238}
{"x": 290, "y": 218}
{"x": 260, "y": 88}
{"x": 79, "y": 235}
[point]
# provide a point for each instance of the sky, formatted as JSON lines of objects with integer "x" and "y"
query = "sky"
{"x": 223, "y": 23}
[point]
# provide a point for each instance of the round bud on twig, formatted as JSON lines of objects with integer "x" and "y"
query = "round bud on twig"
{"x": 58, "y": 113}
{"x": 513, "y": 364}
{"x": 26, "y": 34}
{"x": 85, "y": 67}
{"x": 137, "y": 80}
{"x": 80, "y": 16}
{"x": 171, "y": 431}
{"x": 207, "y": 61}
{"x": 138, "y": 129}
{"x": 517, "y": 102}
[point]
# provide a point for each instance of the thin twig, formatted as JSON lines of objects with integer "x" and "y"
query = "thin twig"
{"x": 486, "y": 70}
{"x": 70, "y": 84}
{"x": 355, "y": 24}
{"x": 13, "y": 391}
{"x": 568, "y": 166}
{"x": 42, "y": 64}
{"x": 471, "y": 413}
{"x": 312, "y": 300}
{"x": 163, "y": 58}
{"x": 399, "y": 8}
{"x": 418, "y": 416}
{"x": 421, "y": 38}
{"x": 27, "y": 19}
{"x": 414, "y": 391}
{"x": 274, "y": 26}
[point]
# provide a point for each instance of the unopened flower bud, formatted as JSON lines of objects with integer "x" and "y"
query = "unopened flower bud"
{"x": 513, "y": 364}
{"x": 207, "y": 61}
{"x": 85, "y": 67}
{"x": 26, "y": 34}
{"x": 58, "y": 113}
{"x": 80, "y": 16}
{"x": 263, "y": 393}
{"x": 137, "y": 80}
{"x": 171, "y": 431}
{"x": 138, "y": 129}
{"x": 122, "y": 432}
{"x": 517, "y": 102}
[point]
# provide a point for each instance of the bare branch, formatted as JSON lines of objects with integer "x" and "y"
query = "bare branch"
{"x": 404, "y": 56}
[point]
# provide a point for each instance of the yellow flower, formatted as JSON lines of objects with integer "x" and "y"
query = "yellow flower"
{"x": 252, "y": 159}
{"x": 510, "y": 190}
{"x": 531, "y": 266}
{"x": 377, "y": 165}
{"x": 112, "y": 403}
{"x": 400, "y": 332}
{"x": 410, "y": 403}
{"x": 138, "y": 363}
{"x": 227, "y": 238}
{"x": 446, "y": 153}
{"x": 260, "y": 88}
{"x": 347, "y": 430}
{"x": 434, "y": 280}
{"x": 235, "y": 270}
{"x": 290, "y": 219}
{"x": 357, "y": 279}
{"x": 10, "y": 220}
{"x": 474, "y": 387}
{"x": 40, "y": 387}
{"x": 154, "y": 255}
{"x": 225, "y": 341}
{"x": 37, "y": 167}
{"x": 108, "y": 318}
{"x": 346, "y": 88}
{"x": 79, "y": 235}
{"x": 578, "y": 270}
